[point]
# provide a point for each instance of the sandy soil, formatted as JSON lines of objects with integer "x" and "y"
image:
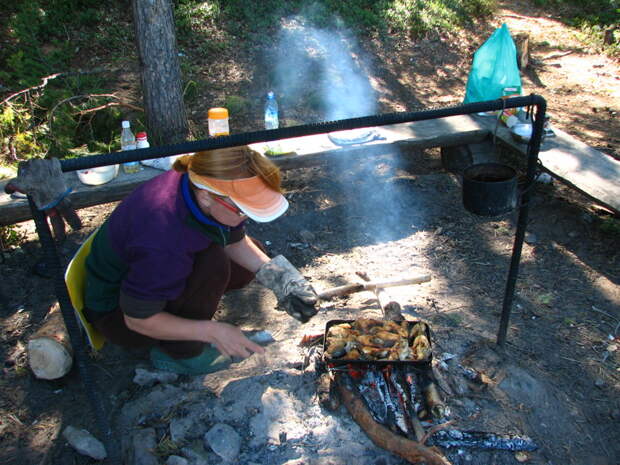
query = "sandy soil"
{"x": 558, "y": 379}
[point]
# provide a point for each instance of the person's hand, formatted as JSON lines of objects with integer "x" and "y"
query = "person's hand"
{"x": 229, "y": 340}
{"x": 43, "y": 180}
{"x": 295, "y": 295}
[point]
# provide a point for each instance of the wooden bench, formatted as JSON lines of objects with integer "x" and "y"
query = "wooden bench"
{"x": 309, "y": 151}
{"x": 589, "y": 171}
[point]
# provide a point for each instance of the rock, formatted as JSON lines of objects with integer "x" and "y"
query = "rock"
{"x": 544, "y": 178}
{"x": 142, "y": 446}
{"x": 84, "y": 442}
{"x": 194, "y": 456}
{"x": 260, "y": 337}
{"x": 306, "y": 235}
{"x": 244, "y": 395}
{"x": 599, "y": 383}
{"x": 531, "y": 238}
{"x": 280, "y": 411}
{"x": 179, "y": 428}
{"x": 224, "y": 441}
{"x": 147, "y": 378}
{"x": 176, "y": 460}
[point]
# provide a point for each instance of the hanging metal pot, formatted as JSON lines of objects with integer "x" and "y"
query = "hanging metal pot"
{"x": 490, "y": 189}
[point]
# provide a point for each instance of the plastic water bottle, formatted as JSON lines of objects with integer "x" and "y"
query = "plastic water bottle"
{"x": 128, "y": 142}
{"x": 271, "y": 112}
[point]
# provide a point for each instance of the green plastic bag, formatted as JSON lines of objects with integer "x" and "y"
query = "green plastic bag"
{"x": 494, "y": 69}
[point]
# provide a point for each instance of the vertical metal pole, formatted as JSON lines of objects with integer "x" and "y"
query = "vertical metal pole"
{"x": 50, "y": 255}
{"x": 532, "y": 159}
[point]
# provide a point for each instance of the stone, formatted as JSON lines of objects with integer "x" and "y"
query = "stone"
{"x": 147, "y": 378}
{"x": 224, "y": 441}
{"x": 306, "y": 235}
{"x": 194, "y": 456}
{"x": 84, "y": 442}
{"x": 243, "y": 394}
{"x": 143, "y": 444}
{"x": 176, "y": 460}
{"x": 181, "y": 426}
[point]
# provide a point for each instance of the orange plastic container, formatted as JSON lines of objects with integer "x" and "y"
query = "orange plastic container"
{"x": 218, "y": 122}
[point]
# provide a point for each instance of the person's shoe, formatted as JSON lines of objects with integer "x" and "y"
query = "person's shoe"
{"x": 209, "y": 361}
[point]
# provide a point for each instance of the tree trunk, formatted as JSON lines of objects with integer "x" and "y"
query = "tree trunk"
{"x": 160, "y": 72}
{"x": 50, "y": 354}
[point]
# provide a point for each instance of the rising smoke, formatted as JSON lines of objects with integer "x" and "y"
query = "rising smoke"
{"x": 326, "y": 67}
{"x": 330, "y": 58}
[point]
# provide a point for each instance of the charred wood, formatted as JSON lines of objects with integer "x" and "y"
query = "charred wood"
{"x": 381, "y": 436}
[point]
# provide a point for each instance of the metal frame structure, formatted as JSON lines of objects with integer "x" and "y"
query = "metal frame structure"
{"x": 53, "y": 260}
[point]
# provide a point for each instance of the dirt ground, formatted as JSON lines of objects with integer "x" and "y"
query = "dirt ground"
{"x": 558, "y": 379}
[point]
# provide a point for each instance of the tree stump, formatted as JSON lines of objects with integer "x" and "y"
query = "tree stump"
{"x": 50, "y": 354}
{"x": 522, "y": 42}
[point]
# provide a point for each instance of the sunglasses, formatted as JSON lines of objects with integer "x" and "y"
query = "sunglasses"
{"x": 227, "y": 204}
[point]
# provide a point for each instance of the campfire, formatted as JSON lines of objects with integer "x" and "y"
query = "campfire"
{"x": 382, "y": 372}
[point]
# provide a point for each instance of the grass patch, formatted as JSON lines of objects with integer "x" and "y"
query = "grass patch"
{"x": 610, "y": 226}
{"x": 593, "y": 18}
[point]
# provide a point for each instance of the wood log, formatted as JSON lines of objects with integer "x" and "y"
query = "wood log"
{"x": 371, "y": 286}
{"x": 522, "y": 43}
{"x": 381, "y": 436}
{"x": 326, "y": 392}
{"x": 391, "y": 309}
{"x": 50, "y": 354}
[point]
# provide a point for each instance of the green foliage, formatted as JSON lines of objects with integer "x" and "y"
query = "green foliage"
{"x": 592, "y": 17}
{"x": 610, "y": 226}
{"x": 236, "y": 105}
{"x": 39, "y": 37}
{"x": 193, "y": 16}
{"x": 42, "y": 38}
{"x": 245, "y": 18}
{"x": 414, "y": 17}
{"x": 417, "y": 17}
{"x": 591, "y": 12}
{"x": 10, "y": 236}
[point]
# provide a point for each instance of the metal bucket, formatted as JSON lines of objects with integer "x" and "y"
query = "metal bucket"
{"x": 489, "y": 189}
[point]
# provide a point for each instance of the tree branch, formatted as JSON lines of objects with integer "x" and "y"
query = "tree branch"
{"x": 46, "y": 79}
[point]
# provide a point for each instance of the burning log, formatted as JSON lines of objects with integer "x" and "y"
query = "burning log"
{"x": 381, "y": 436}
{"x": 434, "y": 401}
{"x": 326, "y": 392}
{"x": 50, "y": 354}
{"x": 480, "y": 440}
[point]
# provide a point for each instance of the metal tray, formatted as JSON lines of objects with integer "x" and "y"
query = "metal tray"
{"x": 333, "y": 362}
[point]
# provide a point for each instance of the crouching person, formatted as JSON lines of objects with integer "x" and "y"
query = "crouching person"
{"x": 162, "y": 261}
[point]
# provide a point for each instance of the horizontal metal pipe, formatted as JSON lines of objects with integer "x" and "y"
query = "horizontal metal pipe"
{"x": 246, "y": 138}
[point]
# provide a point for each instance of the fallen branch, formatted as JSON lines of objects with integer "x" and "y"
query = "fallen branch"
{"x": 90, "y": 110}
{"x": 371, "y": 286}
{"x": 46, "y": 79}
{"x": 112, "y": 104}
{"x": 409, "y": 450}
{"x": 603, "y": 312}
{"x": 433, "y": 429}
{"x": 391, "y": 309}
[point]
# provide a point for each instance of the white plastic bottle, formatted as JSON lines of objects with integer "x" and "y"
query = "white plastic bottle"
{"x": 271, "y": 112}
{"x": 128, "y": 142}
{"x": 142, "y": 141}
